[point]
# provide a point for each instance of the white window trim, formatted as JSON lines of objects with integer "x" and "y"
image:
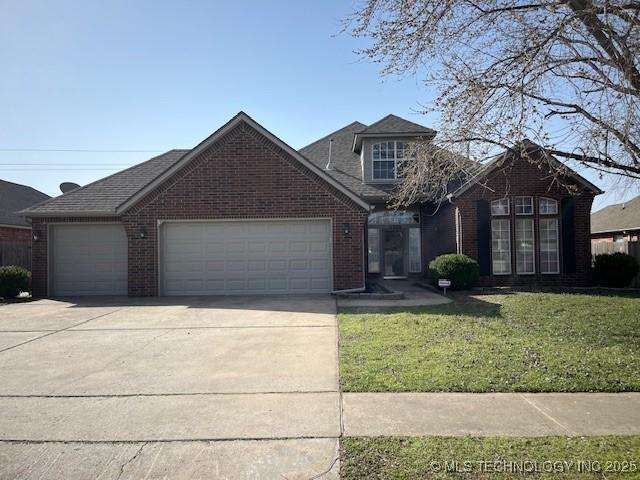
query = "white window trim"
{"x": 394, "y": 159}
{"x": 515, "y": 206}
{"x": 510, "y": 272}
{"x": 533, "y": 237}
{"x": 500, "y": 214}
{"x": 545, "y": 213}
{"x": 557, "y": 272}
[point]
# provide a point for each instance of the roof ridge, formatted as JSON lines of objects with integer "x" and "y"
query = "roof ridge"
{"x": 24, "y": 186}
{"x": 332, "y": 133}
{"x": 394, "y": 116}
{"x": 383, "y": 119}
{"x": 619, "y": 204}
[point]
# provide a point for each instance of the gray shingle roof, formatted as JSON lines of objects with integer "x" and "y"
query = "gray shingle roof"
{"x": 618, "y": 217}
{"x": 346, "y": 167}
{"x": 394, "y": 124}
{"x": 104, "y": 196}
{"x": 15, "y": 197}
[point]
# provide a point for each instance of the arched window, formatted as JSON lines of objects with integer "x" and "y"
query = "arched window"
{"x": 500, "y": 207}
{"x": 547, "y": 206}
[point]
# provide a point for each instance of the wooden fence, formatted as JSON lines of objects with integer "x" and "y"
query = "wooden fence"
{"x": 632, "y": 248}
{"x": 15, "y": 253}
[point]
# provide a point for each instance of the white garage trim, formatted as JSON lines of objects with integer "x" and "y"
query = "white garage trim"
{"x": 160, "y": 239}
{"x": 51, "y": 227}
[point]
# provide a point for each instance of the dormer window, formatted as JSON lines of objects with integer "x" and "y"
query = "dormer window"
{"x": 387, "y": 157}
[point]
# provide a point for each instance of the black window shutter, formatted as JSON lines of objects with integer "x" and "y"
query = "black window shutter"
{"x": 568, "y": 210}
{"x": 483, "y": 213}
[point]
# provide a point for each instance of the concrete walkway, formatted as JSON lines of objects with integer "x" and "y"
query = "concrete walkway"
{"x": 414, "y": 296}
{"x": 480, "y": 414}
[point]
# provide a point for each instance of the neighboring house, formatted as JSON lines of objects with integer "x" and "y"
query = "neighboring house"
{"x": 243, "y": 212}
{"x": 617, "y": 223}
{"x": 15, "y": 231}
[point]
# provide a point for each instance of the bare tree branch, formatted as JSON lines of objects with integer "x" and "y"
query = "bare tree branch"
{"x": 565, "y": 73}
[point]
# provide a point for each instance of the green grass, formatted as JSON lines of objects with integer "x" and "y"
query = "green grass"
{"x": 521, "y": 342}
{"x": 431, "y": 457}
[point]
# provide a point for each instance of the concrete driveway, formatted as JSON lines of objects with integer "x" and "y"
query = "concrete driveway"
{"x": 216, "y": 387}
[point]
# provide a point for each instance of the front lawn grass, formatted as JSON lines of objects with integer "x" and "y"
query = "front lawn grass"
{"x": 493, "y": 457}
{"x": 520, "y": 342}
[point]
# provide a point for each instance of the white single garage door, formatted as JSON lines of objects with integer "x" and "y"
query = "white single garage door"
{"x": 236, "y": 257}
{"x": 88, "y": 260}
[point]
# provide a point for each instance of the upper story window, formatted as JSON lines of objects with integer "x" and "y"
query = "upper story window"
{"x": 524, "y": 205}
{"x": 548, "y": 206}
{"x": 500, "y": 207}
{"x": 387, "y": 157}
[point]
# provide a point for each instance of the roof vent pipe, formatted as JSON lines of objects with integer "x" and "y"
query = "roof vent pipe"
{"x": 329, "y": 166}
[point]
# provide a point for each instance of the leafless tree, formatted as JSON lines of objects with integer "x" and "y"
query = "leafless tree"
{"x": 563, "y": 73}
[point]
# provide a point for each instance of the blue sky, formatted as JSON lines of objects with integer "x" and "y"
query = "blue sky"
{"x": 156, "y": 75}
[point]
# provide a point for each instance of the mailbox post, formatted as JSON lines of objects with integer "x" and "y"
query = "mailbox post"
{"x": 444, "y": 284}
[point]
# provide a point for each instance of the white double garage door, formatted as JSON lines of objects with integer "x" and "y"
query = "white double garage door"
{"x": 198, "y": 258}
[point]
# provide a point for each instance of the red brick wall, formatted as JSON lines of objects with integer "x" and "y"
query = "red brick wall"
{"x": 10, "y": 234}
{"x": 15, "y": 246}
{"x": 521, "y": 178}
{"x": 438, "y": 232}
{"x": 243, "y": 175}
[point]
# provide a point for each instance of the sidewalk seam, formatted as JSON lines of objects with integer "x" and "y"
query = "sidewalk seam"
{"x": 546, "y": 415}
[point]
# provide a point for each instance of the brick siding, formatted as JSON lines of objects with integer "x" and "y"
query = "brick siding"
{"x": 241, "y": 176}
{"x": 438, "y": 232}
{"x": 521, "y": 178}
{"x": 11, "y": 234}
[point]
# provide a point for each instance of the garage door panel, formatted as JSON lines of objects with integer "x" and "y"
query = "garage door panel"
{"x": 319, "y": 228}
{"x": 88, "y": 260}
{"x": 246, "y": 257}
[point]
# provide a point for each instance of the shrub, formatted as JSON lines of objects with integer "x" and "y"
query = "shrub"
{"x": 14, "y": 280}
{"x": 460, "y": 269}
{"x": 615, "y": 269}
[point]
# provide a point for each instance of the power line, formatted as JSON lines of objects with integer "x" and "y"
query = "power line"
{"x": 56, "y": 164}
{"x": 55, "y": 169}
{"x": 72, "y": 150}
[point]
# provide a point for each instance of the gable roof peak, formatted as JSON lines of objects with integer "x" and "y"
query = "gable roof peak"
{"x": 392, "y": 126}
{"x": 513, "y": 153}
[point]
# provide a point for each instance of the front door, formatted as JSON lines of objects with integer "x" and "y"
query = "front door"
{"x": 393, "y": 248}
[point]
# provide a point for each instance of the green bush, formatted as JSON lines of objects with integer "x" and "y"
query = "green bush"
{"x": 460, "y": 269}
{"x": 14, "y": 280}
{"x": 615, "y": 269}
